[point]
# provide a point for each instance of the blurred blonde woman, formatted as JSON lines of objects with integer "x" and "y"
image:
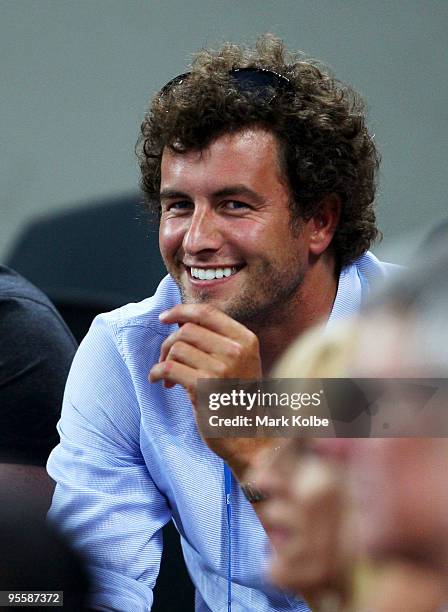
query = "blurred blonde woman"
{"x": 361, "y": 525}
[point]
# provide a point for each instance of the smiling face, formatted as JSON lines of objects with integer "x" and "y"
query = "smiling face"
{"x": 225, "y": 230}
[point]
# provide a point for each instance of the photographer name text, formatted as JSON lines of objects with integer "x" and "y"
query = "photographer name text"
{"x": 267, "y": 421}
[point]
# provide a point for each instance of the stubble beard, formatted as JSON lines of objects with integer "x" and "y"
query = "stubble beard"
{"x": 256, "y": 307}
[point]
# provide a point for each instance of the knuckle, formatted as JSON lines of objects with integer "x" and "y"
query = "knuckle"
{"x": 235, "y": 350}
{"x": 253, "y": 341}
{"x": 177, "y": 349}
{"x": 174, "y": 351}
{"x": 221, "y": 369}
{"x": 186, "y": 329}
{"x": 204, "y": 374}
{"x": 207, "y": 309}
{"x": 167, "y": 367}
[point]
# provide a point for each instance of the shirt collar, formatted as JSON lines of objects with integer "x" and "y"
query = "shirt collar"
{"x": 348, "y": 296}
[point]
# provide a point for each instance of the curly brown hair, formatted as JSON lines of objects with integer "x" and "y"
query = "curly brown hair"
{"x": 325, "y": 147}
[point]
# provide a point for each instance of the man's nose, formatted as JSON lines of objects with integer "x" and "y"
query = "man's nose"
{"x": 204, "y": 231}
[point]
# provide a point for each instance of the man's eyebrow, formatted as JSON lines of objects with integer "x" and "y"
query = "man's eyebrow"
{"x": 239, "y": 190}
{"x": 225, "y": 192}
{"x": 167, "y": 194}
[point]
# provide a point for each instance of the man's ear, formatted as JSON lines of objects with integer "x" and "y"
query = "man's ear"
{"x": 323, "y": 224}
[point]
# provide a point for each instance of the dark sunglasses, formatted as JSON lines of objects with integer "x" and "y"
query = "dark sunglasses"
{"x": 261, "y": 83}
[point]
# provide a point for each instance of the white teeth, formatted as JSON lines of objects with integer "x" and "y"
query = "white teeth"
{"x": 212, "y": 273}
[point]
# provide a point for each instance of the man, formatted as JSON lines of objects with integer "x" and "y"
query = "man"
{"x": 36, "y": 350}
{"x": 262, "y": 171}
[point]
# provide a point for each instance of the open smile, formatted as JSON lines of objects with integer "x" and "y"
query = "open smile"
{"x": 210, "y": 274}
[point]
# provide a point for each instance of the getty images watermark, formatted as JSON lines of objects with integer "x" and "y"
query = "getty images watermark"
{"x": 332, "y": 407}
{"x": 259, "y": 400}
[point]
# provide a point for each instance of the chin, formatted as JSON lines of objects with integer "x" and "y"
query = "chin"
{"x": 234, "y": 311}
{"x": 279, "y": 575}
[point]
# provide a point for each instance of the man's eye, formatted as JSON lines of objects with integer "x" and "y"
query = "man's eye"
{"x": 235, "y": 205}
{"x": 179, "y": 206}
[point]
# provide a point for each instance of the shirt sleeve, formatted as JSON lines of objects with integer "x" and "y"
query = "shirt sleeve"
{"x": 105, "y": 498}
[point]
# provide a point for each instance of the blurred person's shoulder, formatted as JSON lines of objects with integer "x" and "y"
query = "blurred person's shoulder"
{"x": 13, "y": 286}
{"x": 36, "y": 350}
{"x": 28, "y": 315}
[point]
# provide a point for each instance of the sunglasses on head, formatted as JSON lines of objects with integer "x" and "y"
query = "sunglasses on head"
{"x": 262, "y": 83}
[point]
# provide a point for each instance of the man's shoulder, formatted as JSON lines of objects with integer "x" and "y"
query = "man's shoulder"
{"x": 143, "y": 315}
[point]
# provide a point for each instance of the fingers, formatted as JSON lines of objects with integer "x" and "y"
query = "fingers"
{"x": 200, "y": 338}
{"x": 207, "y": 316}
{"x": 209, "y": 343}
{"x": 174, "y": 372}
{"x": 189, "y": 355}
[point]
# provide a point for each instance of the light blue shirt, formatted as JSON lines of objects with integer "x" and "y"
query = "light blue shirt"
{"x": 131, "y": 458}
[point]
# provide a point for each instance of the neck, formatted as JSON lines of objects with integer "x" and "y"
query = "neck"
{"x": 311, "y": 305}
